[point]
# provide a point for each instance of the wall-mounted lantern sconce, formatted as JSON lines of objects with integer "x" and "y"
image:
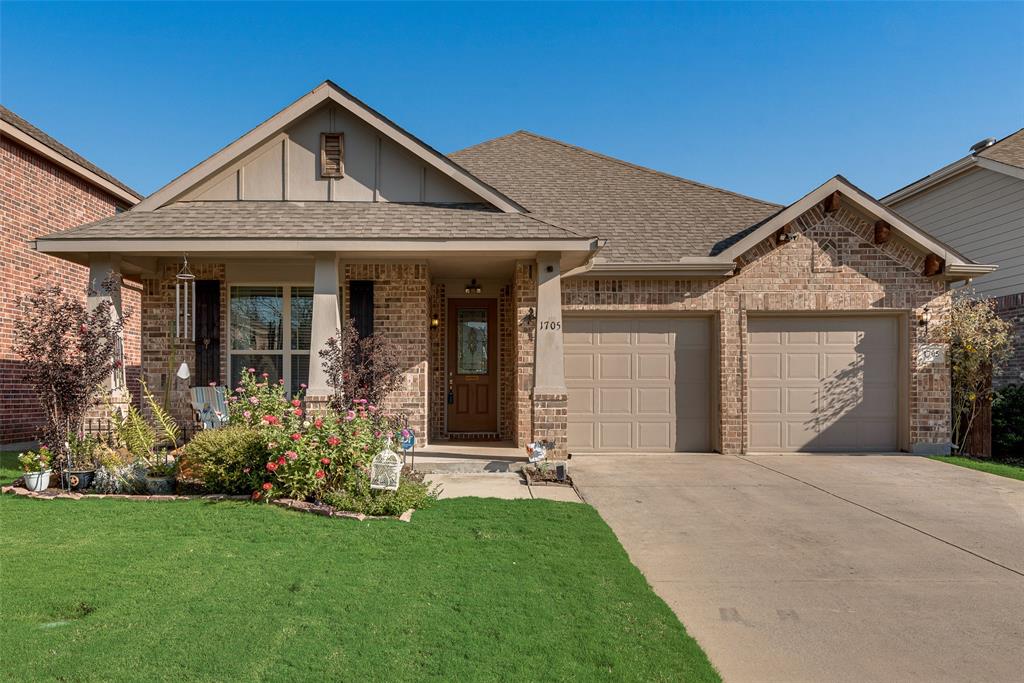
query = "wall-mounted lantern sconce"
{"x": 924, "y": 319}
{"x": 473, "y": 287}
{"x": 435, "y": 322}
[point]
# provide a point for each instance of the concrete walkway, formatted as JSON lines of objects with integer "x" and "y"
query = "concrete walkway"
{"x": 507, "y": 485}
{"x": 827, "y": 567}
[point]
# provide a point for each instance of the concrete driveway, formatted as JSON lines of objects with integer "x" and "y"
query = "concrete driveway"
{"x": 827, "y": 567}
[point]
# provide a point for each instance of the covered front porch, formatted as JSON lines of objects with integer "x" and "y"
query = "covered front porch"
{"x": 477, "y": 327}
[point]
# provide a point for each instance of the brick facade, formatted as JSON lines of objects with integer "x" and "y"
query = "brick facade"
{"x": 38, "y": 197}
{"x": 829, "y": 265}
{"x": 524, "y": 298}
{"x": 1011, "y": 308}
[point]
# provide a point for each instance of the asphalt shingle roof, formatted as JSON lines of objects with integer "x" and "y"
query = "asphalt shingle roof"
{"x": 646, "y": 216}
{"x": 318, "y": 220}
{"x": 30, "y": 130}
{"x": 1009, "y": 150}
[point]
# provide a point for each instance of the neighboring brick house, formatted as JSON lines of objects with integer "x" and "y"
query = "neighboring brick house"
{"x": 44, "y": 187}
{"x": 976, "y": 204}
{"x": 540, "y": 291}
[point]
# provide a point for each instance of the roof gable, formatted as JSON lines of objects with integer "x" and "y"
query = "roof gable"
{"x": 377, "y": 143}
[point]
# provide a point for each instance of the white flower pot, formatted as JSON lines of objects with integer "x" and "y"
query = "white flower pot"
{"x": 37, "y": 481}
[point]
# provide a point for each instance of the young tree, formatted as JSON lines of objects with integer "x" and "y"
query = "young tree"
{"x": 68, "y": 351}
{"x": 366, "y": 368}
{"x": 979, "y": 342}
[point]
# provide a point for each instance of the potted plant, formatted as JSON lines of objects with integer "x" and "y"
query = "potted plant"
{"x": 36, "y": 466}
{"x": 81, "y": 467}
{"x": 161, "y": 473}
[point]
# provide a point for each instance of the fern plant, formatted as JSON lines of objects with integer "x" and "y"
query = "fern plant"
{"x": 149, "y": 442}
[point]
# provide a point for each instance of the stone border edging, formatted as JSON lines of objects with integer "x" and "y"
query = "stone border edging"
{"x": 288, "y": 503}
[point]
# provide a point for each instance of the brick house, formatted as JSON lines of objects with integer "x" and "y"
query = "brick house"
{"x": 976, "y": 204}
{"x": 45, "y": 187}
{"x": 540, "y": 291}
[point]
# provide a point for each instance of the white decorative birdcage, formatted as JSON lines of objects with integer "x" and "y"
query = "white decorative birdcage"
{"x": 385, "y": 469}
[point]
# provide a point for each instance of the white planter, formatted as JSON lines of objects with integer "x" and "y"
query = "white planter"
{"x": 37, "y": 481}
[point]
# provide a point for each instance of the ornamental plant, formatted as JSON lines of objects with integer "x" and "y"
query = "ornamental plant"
{"x": 979, "y": 343}
{"x": 68, "y": 351}
{"x": 256, "y": 400}
{"x": 308, "y": 456}
{"x": 35, "y": 461}
{"x": 366, "y": 369}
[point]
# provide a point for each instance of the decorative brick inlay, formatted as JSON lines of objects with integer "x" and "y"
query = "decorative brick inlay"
{"x": 1010, "y": 307}
{"x": 790, "y": 277}
{"x": 401, "y": 312}
{"x": 40, "y": 197}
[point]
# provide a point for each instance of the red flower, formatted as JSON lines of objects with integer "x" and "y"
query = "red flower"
{"x": 296, "y": 436}
{"x": 267, "y": 486}
{"x": 298, "y": 412}
{"x": 296, "y": 402}
{"x": 270, "y": 419}
{"x": 281, "y": 460}
{"x": 272, "y": 466}
{"x": 256, "y": 495}
{"x": 320, "y": 474}
{"x": 318, "y": 423}
{"x": 333, "y": 440}
{"x": 325, "y": 461}
{"x": 291, "y": 455}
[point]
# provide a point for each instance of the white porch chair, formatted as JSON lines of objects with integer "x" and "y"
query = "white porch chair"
{"x": 210, "y": 406}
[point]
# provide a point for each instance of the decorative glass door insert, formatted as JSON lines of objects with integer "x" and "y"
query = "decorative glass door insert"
{"x": 472, "y": 341}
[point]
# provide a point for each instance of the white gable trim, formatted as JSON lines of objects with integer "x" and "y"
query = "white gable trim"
{"x": 326, "y": 91}
{"x": 957, "y": 265}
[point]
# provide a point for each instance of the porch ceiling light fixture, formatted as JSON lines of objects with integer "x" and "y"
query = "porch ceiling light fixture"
{"x": 184, "y": 314}
{"x": 473, "y": 287}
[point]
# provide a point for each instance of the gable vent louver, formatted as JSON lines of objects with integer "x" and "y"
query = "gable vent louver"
{"x": 332, "y": 155}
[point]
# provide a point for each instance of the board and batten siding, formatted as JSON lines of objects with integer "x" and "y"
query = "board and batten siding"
{"x": 981, "y": 214}
{"x": 287, "y": 167}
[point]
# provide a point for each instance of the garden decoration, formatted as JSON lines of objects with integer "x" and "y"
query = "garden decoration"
{"x": 36, "y": 468}
{"x": 385, "y": 469}
{"x": 184, "y": 314}
{"x": 536, "y": 451}
{"x": 408, "y": 444}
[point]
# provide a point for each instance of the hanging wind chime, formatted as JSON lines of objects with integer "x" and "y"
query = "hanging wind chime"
{"x": 184, "y": 310}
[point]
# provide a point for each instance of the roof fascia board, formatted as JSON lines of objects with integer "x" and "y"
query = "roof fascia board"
{"x": 1000, "y": 167}
{"x": 856, "y": 196}
{"x": 198, "y": 246}
{"x": 276, "y": 123}
{"x": 23, "y": 138}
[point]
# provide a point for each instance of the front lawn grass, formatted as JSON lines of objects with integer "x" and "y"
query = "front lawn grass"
{"x": 473, "y": 589}
{"x": 1001, "y": 468}
{"x": 9, "y": 467}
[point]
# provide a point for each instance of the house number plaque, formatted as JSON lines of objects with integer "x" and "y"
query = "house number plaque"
{"x": 550, "y": 325}
{"x": 931, "y": 354}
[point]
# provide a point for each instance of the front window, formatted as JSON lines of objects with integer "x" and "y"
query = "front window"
{"x": 260, "y": 338}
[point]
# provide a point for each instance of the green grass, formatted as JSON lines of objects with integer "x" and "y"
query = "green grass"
{"x": 1000, "y": 468}
{"x": 9, "y": 467}
{"x": 473, "y": 589}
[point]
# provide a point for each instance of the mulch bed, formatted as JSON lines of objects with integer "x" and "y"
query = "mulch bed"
{"x": 546, "y": 477}
{"x": 298, "y": 505}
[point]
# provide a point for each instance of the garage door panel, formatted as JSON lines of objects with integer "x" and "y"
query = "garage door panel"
{"x": 838, "y": 384}
{"x": 614, "y": 400}
{"x": 765, "y": 365}
{"x": 614, "y": 366}
{"x": 646, "y": 387}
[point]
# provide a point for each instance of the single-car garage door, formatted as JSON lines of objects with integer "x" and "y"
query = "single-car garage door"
{"x": 638, "y": 384}
{"x": 823, "y": 384}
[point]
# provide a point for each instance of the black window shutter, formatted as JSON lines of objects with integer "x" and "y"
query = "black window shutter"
{"x": 360, "y": 307}
{"x": 207, "y": 324}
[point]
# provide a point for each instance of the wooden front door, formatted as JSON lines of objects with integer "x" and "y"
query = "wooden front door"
{"x": 473, "y": 365}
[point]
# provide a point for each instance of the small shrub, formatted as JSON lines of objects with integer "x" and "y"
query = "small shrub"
{"x": 120, "y": 478}
{"x": 357, "y": 496}
{"x": 228, "y": 460}
{"x": 366, "y": 369}
{"x": 35, "y": 461}
{"x": 1008, "y": 423}
{"x": 256, "y": 397}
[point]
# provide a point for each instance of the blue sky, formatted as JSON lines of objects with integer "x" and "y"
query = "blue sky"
{"x": 765, "y": 99}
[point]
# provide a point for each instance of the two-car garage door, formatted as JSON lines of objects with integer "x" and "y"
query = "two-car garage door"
{"x": 823, "y": 383}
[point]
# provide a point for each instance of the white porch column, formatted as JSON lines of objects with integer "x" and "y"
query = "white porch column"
{"x": 326, "y": 320}
{"x": 105, "y": 286}
{"x": 549, "y": 359}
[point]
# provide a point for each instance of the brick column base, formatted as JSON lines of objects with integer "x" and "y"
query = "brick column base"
{"x": 317, "y": 405}
{"x": 550, "y": 423}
